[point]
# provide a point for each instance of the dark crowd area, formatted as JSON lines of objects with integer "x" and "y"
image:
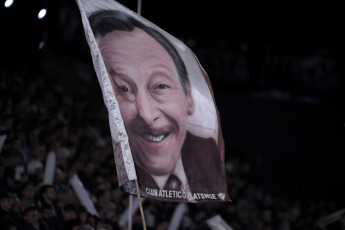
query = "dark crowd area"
{"x": 51, "y": 102}
{"x": 60, "y": 109}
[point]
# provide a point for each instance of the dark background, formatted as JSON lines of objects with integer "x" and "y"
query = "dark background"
{"x": 277, "y": 72}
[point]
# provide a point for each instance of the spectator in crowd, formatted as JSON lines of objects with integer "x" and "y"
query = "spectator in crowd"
{"x": 36, "y": 162}
{"x": 48, "y": 220}
{"x": 82, "y": 215}
{"x": 47, "y": 197}
{"x": 27, "y": 193}
{"x": 15, "y": 211}
{"x": 31, "y": 218}
{"x": 5, "y": 206}
{"x": 70, "y": 217}
{"x": 103, "y": 200}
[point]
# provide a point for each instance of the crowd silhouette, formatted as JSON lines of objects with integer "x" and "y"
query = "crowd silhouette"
{"x": 42, "y": 113}
{"x": 50, "y": 102}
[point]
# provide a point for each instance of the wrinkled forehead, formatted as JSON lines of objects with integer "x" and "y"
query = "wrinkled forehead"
{"x": 135, "y": 47}
{"x": 136, "y": 40}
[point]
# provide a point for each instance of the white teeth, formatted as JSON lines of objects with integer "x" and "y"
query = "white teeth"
{"x": 153, "y": 138}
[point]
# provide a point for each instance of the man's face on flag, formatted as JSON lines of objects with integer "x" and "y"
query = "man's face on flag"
{"x": 153, "y": 106}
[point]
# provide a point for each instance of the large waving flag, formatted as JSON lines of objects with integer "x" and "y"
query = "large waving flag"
{"x": 163, "y": 119}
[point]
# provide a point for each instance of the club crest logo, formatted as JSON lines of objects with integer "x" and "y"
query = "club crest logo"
{"x": 221, "y": 195}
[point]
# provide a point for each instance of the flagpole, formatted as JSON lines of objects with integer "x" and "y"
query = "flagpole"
{"x": 139, "y": 7}
{"x": 141, "y": 206}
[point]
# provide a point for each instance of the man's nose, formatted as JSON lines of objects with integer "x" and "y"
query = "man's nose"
{"x": 146, "y": 108}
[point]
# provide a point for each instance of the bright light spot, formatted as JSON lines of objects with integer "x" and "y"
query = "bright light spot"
{"x": 40, "y": 46}
{"x": 42, "y": 13}
{"x": 8, "y": 3}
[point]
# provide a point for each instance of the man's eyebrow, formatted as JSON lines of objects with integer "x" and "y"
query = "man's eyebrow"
{"x": 162, "y": 66}
{"x": 113, "y": 72}
{"x": 123, "y": 77}
{"x": 120, "y": 75}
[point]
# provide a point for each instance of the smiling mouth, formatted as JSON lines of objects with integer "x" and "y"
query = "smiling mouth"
{"x": 151, "y": 134}
{"x": 155, "y": 138}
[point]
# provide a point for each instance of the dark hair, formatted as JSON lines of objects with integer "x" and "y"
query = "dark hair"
{"x": 101, "y": 193}
{"x": 46, "y": 207}
{"x": 24, "y": 185}
{"x": 70, "y": 207}
{"x": 103, "y": 22}
{"x": 30, "y": 208}
{"x": 5, "y": 195}
{"x": 45, "y": 188}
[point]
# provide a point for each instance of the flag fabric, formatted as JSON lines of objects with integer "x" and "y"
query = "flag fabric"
{"x": 83, "y": 195}
{"x": 214, "y": 223}
{"x": 163, "y": 119}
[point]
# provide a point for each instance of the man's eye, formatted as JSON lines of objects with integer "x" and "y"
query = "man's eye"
{"x": 124, "y": 88}
{"x": 162, "y": 86}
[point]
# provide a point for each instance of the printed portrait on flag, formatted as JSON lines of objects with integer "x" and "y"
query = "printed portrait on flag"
{"x": 166, "y": 106}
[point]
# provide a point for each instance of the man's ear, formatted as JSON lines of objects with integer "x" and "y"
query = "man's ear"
{"x": 190, "y": 101}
